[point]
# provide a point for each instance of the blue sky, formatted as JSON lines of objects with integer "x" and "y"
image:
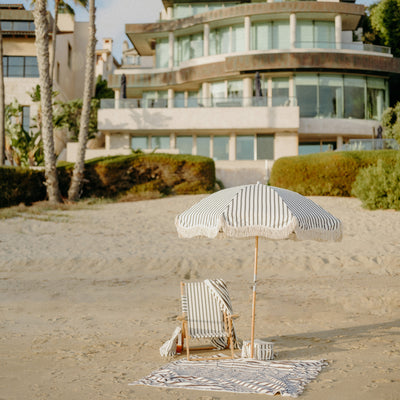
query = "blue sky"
{"x": 112, "y": 15}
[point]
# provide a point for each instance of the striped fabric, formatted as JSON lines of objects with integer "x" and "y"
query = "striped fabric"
{"x": 287, "y": 378}
{"x": 204, "y": 304}
{"x": 258, "y": 210}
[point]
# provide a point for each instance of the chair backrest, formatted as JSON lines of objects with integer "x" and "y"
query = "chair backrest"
{"x": 204, "y": 313}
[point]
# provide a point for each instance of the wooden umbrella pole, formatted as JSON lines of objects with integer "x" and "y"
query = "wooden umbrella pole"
{"x": 253, "y": 316}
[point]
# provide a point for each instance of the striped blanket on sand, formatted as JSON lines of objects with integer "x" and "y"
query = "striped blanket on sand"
{"x": 287, "y": 378}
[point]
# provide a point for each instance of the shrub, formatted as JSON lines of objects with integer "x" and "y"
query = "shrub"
{"x": 325, "y": 174}
{"x": 378, "y": 186}
{"x": 21, "y": 185}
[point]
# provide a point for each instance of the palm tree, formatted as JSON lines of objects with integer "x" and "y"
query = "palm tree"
{"x": 77, "y": 177}
{"x": 42, "y": 45}
{"x": 2, "y": 105}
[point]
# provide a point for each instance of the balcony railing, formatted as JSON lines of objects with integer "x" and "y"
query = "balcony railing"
{"x": 371, "y": 144}
{"x": 261, "y": 101}
{"x": 343, "y": 46}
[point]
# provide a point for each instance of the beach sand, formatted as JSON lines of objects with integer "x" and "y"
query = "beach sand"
{"x": 87, "y": 297}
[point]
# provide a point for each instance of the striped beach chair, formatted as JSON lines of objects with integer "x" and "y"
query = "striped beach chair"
{"x": 207, "y": 313}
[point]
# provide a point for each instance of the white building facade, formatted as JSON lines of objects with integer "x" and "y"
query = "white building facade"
{"x": 247, "y": 82}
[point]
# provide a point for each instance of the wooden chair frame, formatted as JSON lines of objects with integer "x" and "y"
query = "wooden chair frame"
{"x": 228, "y": 323}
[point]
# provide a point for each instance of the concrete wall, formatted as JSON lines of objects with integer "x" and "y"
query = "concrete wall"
{"x": 285, "y": 145}
{"x": 224, "y": 119}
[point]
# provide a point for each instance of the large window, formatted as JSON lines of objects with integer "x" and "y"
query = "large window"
{"x": 238, "y": 38}
{"x": 315, "y": 34}
{"x": 21, "y": 26}
{"x": 244, "y": 147}
{"x": 330, "y": 96}
{"x": 268, "y": 35}
{"x": 203, "y": 146}
{"x": 375, "y": 98}
{"x": 188, "y": 47}
{"x": 306, "y": 93}
{"x": 26, "y": 118}
{"x": 159, "y": 142}
{"x": 139, "y": 142}
{"x": 162, "y": 53}
{"x": 265, "y": 147}
{"x": 221, "y": 148}
{"x": 20, "y": 67}
{"x": 316, "y": 147}
{"x": 354, "y": 97}
{"x": 219, "y": 41}
{"x": 280, "y": 91}
{"x": 184, "y": 144}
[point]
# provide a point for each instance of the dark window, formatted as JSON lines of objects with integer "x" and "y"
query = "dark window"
{"x": 18, "y": 26}
{"x": 20, "y": 67}
{"x": 26, "y": 118}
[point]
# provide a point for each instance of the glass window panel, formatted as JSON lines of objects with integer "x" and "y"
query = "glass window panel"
{"x": 261, "y": 36}
{"x": 280, "y": 35}
{"x": 199, "y": 8}
{"x": 162, "y": 50}
{"x": 306, "y": 93}
{"x": 354, "y": 97}
{"x": 238, "y": 38}
{"x": 221, "y": 147}
{"x": 26, "y": 118}
{"x": 331, "y": 96}
{"x": 139, "y": 142}
{"x": 184, "y": 48}
{"x": 203, "y": 146}
{"x": 218, "y": 90}
{"x": 224, "y": 40}
{"x": 21, "y": 26}
{"x": 265, "y": 147}
{"x": 304, "y": 34}
{"x": 324, "y": 34}
{"x": 149, "y": 99}
{"x": 182, "y": 10}
{"x": 194, "y": 98}
{"x": 179, "y": 99}
{"x": 235, "y": 89}
{"x": 196, "y": 46}
{"x": 244, "y": 147}
{"x": 213, "y": 42}
{"x": 5, "y": 65}
{"x": 375, "y": 103}
{"x": 160, "y": 142}
{"x": 6, "y": 25}
{"x": 184, "y": 144}
{"x": 316, "y": 147}
{"x": 31, "y": 67}
{"x": 15, "y": 66}
{"x": 376, "y": 83}
{"x": 280, "y": 91}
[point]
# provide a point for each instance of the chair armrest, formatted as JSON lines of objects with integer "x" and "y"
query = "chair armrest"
{"x": 234, "y": 316}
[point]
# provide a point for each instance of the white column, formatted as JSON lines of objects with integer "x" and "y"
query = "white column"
{"x": 172, "y": 140}
{"x": 247, "y": 28}
{"x": 291, "y": 91}
{"x": 169, "y": 13}
{"x": 107, "y": 141}
{"x": 170, "y": 98}
{"x": 293, "y": 31}
{"x": 269, "y": 92}
{"x": 117, "y": 95}
{"x": 171, "y": 50}
{"x": 247, "y": 91}
{"x": 206, "y": 40}
{"x": 232, "y": 147}
{"x": 338, "y": 31}
{"x": 339, "y": 142}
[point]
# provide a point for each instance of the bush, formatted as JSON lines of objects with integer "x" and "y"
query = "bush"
{"x": 325, "y": 174}
{"x": 135, "y": 176}
{"x": 378, "y": 186}
{"x": 21, "y": 185}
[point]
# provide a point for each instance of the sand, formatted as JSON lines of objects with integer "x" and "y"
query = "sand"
{"x": 87, "y": 297}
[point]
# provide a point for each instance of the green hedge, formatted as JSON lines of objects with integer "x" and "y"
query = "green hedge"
{"x": 325, "y": 174}
{"x": 113, "y": 177}
{"x": 21, "y": 185}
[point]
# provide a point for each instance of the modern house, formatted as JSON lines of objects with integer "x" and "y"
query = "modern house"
{"x": 21, "y": 74}
{"x": 247, "y": 82}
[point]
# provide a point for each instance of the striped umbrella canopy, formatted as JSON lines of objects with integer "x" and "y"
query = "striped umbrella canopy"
{"x": 258, "y": 210}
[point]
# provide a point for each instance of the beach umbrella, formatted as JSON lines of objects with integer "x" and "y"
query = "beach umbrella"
{"x": 255, "y": 210}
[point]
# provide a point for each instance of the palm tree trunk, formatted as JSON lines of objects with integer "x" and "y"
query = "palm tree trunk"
{"x": 53, "y": 42}
{"x": 77, "y": 178}
{"x": 2, "y": 105}
{"x": 42, "y": 46}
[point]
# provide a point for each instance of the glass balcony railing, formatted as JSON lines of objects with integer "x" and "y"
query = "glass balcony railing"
{"x": 195, "y": 103}
{"x": 357, "y": 46}
{"x": 371, "y": 144}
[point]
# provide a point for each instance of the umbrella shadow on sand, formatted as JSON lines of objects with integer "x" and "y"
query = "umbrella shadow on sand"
{"x": 322, "y": 343}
